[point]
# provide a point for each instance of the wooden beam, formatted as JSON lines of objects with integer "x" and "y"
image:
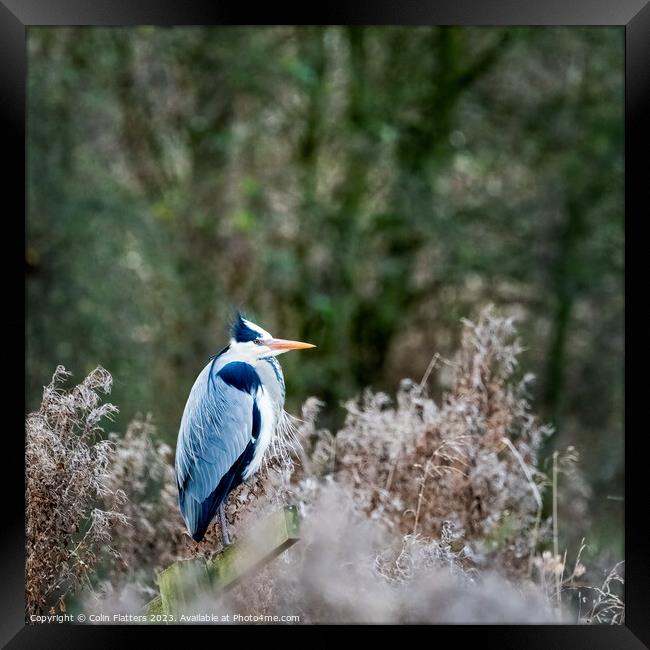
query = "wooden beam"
{"x": 265, "y": 541}
{"x": 182, "y": 581}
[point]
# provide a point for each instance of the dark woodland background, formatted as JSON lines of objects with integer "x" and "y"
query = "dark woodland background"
{"x": 359, "y": 188}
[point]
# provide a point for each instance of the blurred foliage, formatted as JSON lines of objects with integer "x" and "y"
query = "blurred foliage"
{"x": 359, "y": 188}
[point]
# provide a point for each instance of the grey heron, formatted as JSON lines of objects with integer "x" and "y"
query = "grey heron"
{"x": 228, "y": 423}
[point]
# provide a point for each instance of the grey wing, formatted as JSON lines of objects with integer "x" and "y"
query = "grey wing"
{"x": 215, "y": 430}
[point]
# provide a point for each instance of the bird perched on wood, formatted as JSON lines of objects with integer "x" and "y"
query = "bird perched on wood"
{"x": 231, "y": 417}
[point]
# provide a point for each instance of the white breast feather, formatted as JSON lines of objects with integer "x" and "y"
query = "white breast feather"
{"x": 267, "y": 424}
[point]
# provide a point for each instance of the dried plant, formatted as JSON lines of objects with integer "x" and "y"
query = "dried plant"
{"x": 417, "y": 552}
{"x": 607, "y": 605}
{"x": 471, "y": 461}
{"x": 66, "y": 477}
{"x": 415, "y": 511}
{"x": 146, "y": 541}
{"x": 562, "y": 584}
{"x": 349, "y": 568}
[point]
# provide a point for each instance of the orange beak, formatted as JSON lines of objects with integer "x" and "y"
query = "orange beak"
{"x": 283, "y": 344}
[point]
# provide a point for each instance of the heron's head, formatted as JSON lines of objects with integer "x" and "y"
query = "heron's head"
{"x": 253, "y": 342}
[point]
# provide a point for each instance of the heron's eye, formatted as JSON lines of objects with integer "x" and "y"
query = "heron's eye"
{"x": 258, "y": 341}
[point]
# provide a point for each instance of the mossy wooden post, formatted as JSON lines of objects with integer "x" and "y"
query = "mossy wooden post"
{"x": 178, "y": 583}
{"x": 181, "y": 582}
{"x": 265, "y": 541}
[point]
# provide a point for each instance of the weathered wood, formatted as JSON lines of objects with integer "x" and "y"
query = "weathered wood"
{"x": 154, "y": 606}
{"x": 182, "y": 581}
{"x": 264, "y": 542}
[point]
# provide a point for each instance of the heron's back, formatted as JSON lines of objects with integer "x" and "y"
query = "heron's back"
{"x": 227, "y": 425}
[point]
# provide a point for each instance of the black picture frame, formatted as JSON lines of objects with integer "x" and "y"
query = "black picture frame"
{"x": 16, "y": 15}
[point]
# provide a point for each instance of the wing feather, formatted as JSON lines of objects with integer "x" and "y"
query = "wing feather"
{"x": 216, "y": 430}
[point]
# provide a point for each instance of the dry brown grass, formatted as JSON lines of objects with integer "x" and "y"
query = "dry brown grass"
{"x": 472, "y": 460}
{"x": 146, "y": 541}
{"x": 66, "y": 476}
{"x": 416, "y": 510}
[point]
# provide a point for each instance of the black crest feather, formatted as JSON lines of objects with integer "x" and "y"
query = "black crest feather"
{"x": 240, "y": 331}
